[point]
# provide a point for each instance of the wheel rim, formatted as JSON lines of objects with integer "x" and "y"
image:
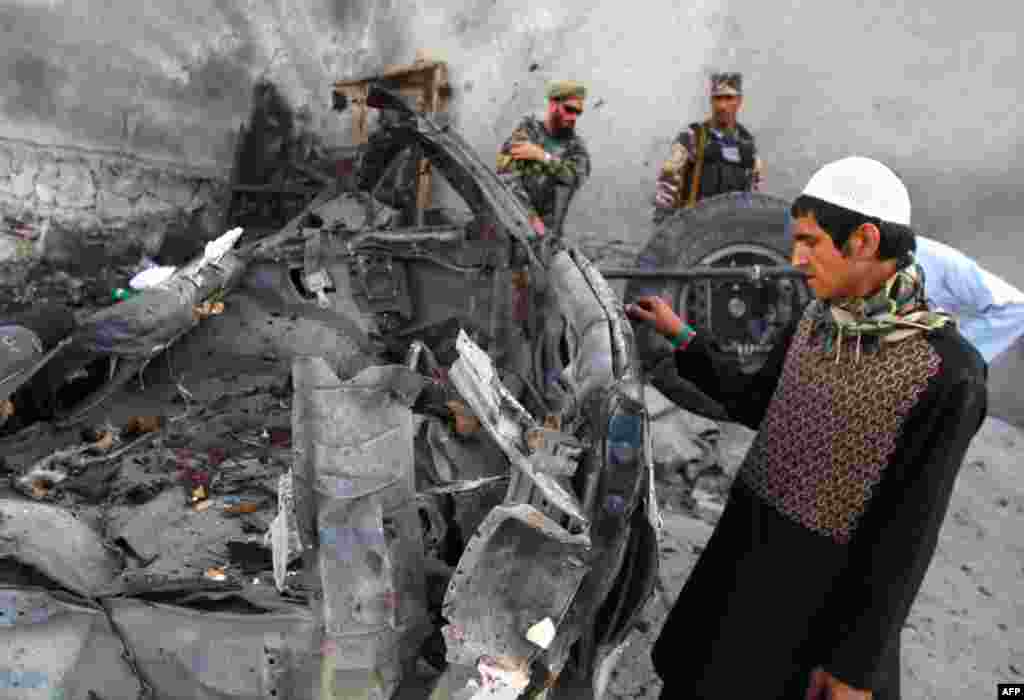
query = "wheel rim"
{"x": 742, "y": 317}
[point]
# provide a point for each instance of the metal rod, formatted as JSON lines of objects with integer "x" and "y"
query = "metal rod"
{"x": 753, "y": 273}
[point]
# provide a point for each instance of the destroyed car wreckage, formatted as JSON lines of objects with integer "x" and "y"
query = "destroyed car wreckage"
{"x": 481, "y": 474}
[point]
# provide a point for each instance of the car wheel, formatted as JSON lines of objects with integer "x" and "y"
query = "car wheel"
{"x": 738, "y": 229}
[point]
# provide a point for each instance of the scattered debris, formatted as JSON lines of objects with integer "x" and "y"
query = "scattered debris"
{"x": 40, "y": 482}
{"x": 283, "y": 535}
{"x": 216, "y": 574}
{"x": 140, "y": 425}
{"x": 465, "y": 422}
{"x": 503, "y": 673}
{"x": 235, "y": 505}
{"x": 542, "y": 633}
{"x": 152, "y": 277}
{"x": 105, "y": 442}
{"x": 199, "y": 494}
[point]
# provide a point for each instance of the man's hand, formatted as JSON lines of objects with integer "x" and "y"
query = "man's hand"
{"x": 825, "y": 686}
{"x": 657, "y": 312}
{"x": 538, "y": 225}
{"x": 526, "y": 151}
{"x": 665, "y": 194}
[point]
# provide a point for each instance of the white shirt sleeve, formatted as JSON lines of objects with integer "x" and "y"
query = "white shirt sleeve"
{"x": 989, "y": 309}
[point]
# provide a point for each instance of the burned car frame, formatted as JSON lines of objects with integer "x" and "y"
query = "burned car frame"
{"x": 481, "y": 476}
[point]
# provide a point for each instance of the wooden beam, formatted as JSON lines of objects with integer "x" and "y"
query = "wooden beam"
{"x": 423, "y": 83}
{"x": 409, "y": 71}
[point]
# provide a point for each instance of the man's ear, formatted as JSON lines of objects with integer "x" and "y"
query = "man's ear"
{"x": 863, "y": 243}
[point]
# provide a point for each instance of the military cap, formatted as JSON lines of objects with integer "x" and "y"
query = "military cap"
{"x": 565, "y": 89}
{"x": 726, "y": 84}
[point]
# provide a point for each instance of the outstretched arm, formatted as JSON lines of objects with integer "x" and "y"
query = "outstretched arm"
{"x": 745, "y": 396}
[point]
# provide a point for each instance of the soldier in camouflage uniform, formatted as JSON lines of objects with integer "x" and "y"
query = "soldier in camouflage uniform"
{"x": 709, "y": 158}
{"x": 540, "y": 155}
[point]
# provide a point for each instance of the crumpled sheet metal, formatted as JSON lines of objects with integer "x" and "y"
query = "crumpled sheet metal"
{"x": 504, "y": 418}
{"x": 146, "y": 324}
{"x": 354, "y": 446}
{"x": 592, "y": 367}
{"x": 179, "y": 542}
{"x": 462, "y": 459}
{"x": 520, "y": 568}
{"x": 623, "y": 343}
{"x": 52, "y": 647}
{"x": 58, "y": 544}
{"x": 189, "y": 654}
{"x": 283, "y": 537}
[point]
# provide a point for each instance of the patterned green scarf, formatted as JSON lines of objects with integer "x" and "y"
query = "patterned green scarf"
{"x": 898, "y": 310}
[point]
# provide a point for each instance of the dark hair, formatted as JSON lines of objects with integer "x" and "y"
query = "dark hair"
{"x": 896, "y": 242}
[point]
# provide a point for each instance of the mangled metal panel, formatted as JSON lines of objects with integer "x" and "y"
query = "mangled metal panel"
{"x": 623, "y": 343}
{"x": 53, "y": 646}
{"x": 283, "y": 537}
{"x": 203, "y": 655}
{"x": 463, "y": 169}
{"x": 145, "y": 325}
{"x": 175, "y": 540}
{"x": 592, "y": 366}
{"x": 354, "y": 449}
{"x": 59, "y": 545}
{"x": 508, "y": 422}
{"x": 519, "y": 569}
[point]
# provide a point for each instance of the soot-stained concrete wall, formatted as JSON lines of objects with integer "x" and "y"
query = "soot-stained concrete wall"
{"x": 118, "y": 120}
{"x": 168, "y": 79}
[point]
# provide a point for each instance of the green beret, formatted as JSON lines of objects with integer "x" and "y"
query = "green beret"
{"x": 564, "y": 89}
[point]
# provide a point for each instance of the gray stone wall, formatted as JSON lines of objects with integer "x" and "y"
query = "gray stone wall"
{"x": 52, "y": 200}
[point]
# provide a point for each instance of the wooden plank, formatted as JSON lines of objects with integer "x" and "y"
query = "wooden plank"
{"x": 360, "y": 117}
{"x": 422, "y": 83}
{"x": 408, "y": 71}
{"x": 423, "y": 184}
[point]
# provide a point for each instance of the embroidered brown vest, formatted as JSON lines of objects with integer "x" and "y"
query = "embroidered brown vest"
{"x": 831, "y": 428}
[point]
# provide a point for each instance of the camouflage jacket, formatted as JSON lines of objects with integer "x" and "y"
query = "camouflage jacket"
{"x": 534, "y": 181}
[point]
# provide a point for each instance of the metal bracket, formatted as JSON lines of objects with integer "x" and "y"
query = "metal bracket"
{"x": 316, "y": 279}
{"x": 317, "y": 282}
{"x": 368, "y": 268}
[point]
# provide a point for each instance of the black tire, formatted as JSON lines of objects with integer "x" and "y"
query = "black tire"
{"x": 748, "y": 226}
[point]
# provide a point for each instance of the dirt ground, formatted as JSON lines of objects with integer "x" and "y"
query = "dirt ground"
{"x": 966, "y": 630}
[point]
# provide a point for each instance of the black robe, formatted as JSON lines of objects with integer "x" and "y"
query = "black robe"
{"x": 834, "y": 515}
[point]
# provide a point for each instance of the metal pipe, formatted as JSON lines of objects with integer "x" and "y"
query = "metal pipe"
{"x": 753, "y": 273}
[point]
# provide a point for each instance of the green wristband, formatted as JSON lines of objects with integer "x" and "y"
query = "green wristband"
{"x": 683, "y": 338}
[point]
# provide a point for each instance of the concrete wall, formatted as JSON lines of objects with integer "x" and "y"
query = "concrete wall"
{"x": 118, "y": 119}
{"x": 930, "y": 88}
{"x": 933, "y": 91}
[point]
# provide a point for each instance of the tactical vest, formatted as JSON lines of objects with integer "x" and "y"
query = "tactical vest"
{"x": 728, "y": 162}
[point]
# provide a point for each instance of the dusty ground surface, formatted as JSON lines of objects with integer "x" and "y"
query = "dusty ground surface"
{"x": 966, "y": 630}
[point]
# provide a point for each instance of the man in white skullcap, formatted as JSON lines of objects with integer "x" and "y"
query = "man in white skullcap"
{"x": 864, "y": 412}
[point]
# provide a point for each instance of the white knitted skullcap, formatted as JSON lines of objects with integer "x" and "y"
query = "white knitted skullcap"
{"x": 862, "y": 185}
